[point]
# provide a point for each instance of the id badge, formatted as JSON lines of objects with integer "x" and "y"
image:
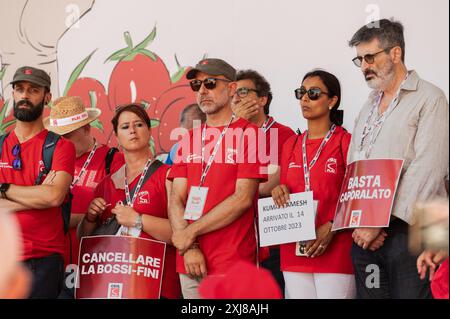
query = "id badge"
{"x": 300, "y": 247}
{"x": 195, "y": 203}
{"x": 128, "y": 231}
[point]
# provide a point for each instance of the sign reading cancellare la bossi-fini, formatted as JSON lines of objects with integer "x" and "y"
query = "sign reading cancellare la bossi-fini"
{"x": 116, "y": 267}
{"x": 367, "y": 193}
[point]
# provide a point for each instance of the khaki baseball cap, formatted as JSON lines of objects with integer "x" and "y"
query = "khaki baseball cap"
{"x": 213, "y": 67}
{"x": 33, "y": 75}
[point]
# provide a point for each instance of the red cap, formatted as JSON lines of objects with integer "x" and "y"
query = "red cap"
{"x": 242, "y": 281}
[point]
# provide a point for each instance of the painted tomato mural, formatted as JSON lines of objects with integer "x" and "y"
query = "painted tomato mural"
{"x": 93, "y": 94}
{"x": 139, "y": 76}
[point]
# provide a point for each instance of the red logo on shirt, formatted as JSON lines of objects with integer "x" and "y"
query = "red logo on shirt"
{"x": 144, "y": 197}
{"x": 331, "y": 166}
{"x": 41, "y": 166}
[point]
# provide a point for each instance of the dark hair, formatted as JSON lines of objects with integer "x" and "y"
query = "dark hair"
{"x": 334, "y": 89}
{"x": 388, "y": 32}
{"x": 192, "y": 107}
{"x": 261, "y": 85}
{"x": 135, "y": 108}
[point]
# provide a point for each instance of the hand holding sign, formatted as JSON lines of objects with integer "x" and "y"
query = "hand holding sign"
{"x": 317, "y": 247}
{"x": 280, "y": 195}
{"x": 367, "y": 196}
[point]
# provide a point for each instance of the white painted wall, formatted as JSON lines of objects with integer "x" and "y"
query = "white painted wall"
{"x": 281, "y": 39}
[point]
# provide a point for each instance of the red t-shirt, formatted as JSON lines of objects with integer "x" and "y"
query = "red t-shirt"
{"x": 282, "y": 132}
{"x": 326, "y": 179}
{"x": 42, "y": 230}
{"x": 151, "y": 200}
{"x": 234, "y": 160}
{"x": 83, "y": 193}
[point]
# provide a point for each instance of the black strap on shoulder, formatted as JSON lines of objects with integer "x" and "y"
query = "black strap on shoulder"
{"x": 109, "y": 158}
{"x": 151, "y": 170}
{"x": 47, "y": 154}
{"x": 2, "y": 140}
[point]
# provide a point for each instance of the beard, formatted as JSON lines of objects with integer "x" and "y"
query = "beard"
{"x": 382, "y": 78}
{"x": 29, "y": 114}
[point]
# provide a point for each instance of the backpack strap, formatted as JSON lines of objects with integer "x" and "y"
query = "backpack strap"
{"x": 47, "y": 154}
{"x": 151, "y": 170}
{"x": 109, "y": 158}
{"x": 2, "y": 140}
{"x": 47, "y": 157}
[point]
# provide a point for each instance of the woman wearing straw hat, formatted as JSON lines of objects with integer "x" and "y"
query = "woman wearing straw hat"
{"x": 71, "y": 119}
{"x": 141, "y": 212}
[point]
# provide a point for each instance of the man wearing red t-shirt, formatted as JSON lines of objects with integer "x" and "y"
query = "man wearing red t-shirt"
{"x": 252, "y": 102}
{"x": 37, "y": 207}
{"x": 93, "y": 162}
{"x": 215, "y": 182}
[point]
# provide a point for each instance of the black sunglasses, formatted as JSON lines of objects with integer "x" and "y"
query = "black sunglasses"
{"x": 209, "y": 83}
{"x": 314, "y": 93}
{"x": 243, "y": 92}
{"x": 17, "y": 162}
{"x": 369, "y": 58}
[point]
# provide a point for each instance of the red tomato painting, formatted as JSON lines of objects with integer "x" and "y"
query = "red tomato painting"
{"x": 93, "y": 94}
{"x": 167, "y": 110}
{"x": 138, "y": 81}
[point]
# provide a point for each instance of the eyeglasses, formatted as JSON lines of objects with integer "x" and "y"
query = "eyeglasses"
{"x": 369, "y": 58}
{"x": 17, "y": 162}
{"x": 314, "y": 93}
{"x": 210, "y": 83}
{"x": 243, "y": 92}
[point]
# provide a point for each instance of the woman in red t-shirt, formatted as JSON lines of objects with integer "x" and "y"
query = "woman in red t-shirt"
{"x": 325, "y": 269}
{"x": 142, "y": 213}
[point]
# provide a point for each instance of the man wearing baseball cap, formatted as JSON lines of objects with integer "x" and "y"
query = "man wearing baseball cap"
{"x": 70, "y": 118}
{"x": 36, "y": 198}
{"x": 215, "y": 180}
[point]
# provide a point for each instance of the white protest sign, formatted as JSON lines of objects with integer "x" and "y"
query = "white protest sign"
{"x": 295, "y": 222}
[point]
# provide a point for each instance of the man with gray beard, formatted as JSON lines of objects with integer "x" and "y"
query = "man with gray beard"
{"x": 405, "y": 118}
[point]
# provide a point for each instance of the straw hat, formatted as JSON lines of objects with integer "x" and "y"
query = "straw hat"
{"x": 68, "y": 114}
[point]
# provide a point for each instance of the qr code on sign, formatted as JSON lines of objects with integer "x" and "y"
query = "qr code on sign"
{"x": 115, "y": 291}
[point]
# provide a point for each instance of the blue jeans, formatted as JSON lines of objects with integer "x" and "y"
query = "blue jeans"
{"x": 48, "y": 273}
{"x": 389, "y": 272}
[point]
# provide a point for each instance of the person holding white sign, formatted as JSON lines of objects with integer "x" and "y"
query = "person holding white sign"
{"x": 141, "y": 212}
{"x": 315, "y": 161}
{"x": 404, "y": 118}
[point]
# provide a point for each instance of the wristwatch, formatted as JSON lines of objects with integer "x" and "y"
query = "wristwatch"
{"x": 138, "y": 223}
{"x": 4, "y": 188}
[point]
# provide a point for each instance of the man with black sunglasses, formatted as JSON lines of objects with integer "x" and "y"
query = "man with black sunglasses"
{"x": 405, "y": 118}
{"x": 215, "y": 181}
{"x": 252, "y": 103}
{"x": 36, "y": 201}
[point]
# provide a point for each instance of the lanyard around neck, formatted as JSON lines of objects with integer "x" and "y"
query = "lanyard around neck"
{"x": 213, "y": 154}
{"x": 85, "y": 165}
{"x": 307, "y": 168}
{"x": 375, "y": 128}
{"x": 130, "y": 201}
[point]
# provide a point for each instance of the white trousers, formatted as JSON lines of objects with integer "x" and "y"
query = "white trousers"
{"x": 189, "y": 287}
{"x": 319, "y": 286}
